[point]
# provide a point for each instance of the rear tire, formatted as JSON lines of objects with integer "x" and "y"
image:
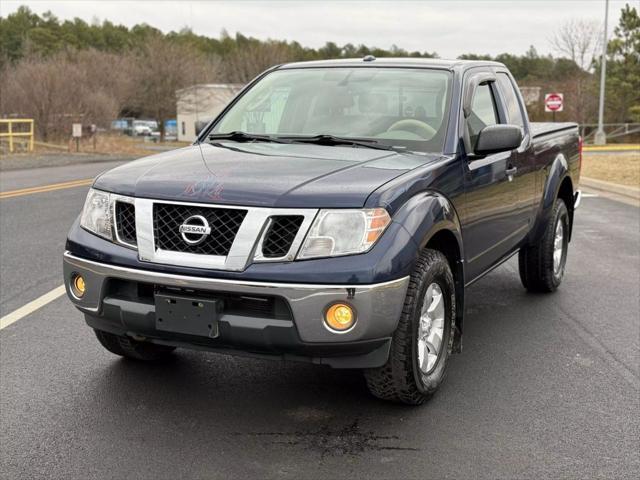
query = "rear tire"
{"x": 542, "y": 265}
{"x": 130, "y": 348}
{"x": 413, "y": 373}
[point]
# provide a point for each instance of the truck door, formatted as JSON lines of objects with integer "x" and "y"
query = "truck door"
{"x": 524, "y": 159}
{"x": 492, "y": 224}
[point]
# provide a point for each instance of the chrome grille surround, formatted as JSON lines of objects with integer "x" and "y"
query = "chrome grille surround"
{"x": 116, "y": 227}
{"x": 245, "y": 249}
{"x": 124, "y": 223}
{"x": 281, "y": 233}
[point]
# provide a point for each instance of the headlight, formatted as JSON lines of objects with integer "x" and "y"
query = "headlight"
{"x": 344, "y": 232}
{"x": 96, "y": 215}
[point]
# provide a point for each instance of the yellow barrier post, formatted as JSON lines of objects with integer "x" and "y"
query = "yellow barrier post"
{"x": 10, "y": 133}
{"x": 31, "y": 137}
{"x": 10, "y": 137}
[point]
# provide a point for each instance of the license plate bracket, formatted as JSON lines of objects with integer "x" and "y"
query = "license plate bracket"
{"x": 189, "y": 315}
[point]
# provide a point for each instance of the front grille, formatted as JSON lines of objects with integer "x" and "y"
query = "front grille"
{"x": 224, "y": 224}
{"x": 280, "y": 236}
{"x": 126, "y": 222}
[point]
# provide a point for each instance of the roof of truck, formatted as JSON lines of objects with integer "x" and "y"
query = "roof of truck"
{"x": 415, "y": 62}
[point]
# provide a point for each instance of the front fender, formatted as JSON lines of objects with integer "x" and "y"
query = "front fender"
{"x": 425, "y": 214}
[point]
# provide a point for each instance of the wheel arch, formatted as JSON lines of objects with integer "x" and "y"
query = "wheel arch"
{"x": 433, "y": 223}
{"x": 565, "y": 192}
{"x": 557, "y": 185}
{"x": 445, "y": 241}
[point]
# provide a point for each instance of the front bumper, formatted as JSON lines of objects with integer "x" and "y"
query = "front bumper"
{"x": 302, "y": 336}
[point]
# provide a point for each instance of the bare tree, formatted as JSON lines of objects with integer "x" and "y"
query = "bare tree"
{"x": 90, "y": 86}
{"x": 578, "y": 40}
{"x": 56, "y": 91}
{"x": 33, "y": 89}
{"x": 162, "y": 68}
{"x": 244, "y": 64}
{"x": 109, "y": 74}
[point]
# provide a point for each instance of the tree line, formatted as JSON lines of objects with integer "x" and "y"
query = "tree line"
{"x": 58, "y": 71}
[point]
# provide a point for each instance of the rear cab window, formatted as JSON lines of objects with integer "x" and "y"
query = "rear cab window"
{"x": 483, "y": 112}
{"x": 512, "y": 104}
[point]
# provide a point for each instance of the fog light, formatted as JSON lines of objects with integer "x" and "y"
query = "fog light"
{"x": 340, "y": 317}
{"x": 78, "y": 286}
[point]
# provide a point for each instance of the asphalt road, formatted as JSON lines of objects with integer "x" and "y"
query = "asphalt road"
{"x": 547, "y": 385}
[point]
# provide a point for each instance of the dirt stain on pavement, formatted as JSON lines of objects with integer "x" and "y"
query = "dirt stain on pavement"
{"x": 350, "y": 440}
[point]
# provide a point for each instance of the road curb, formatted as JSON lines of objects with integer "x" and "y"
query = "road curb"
{"x": 609, "y": 187}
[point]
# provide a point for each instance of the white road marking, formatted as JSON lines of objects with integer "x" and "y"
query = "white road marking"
{"x": 589, "y": 195}
{"x": 31, "y": 307}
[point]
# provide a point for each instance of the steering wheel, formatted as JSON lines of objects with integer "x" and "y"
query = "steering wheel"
{"x": 423, "y": 129}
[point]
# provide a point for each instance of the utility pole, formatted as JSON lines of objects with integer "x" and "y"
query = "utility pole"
{"x": 600, "y": 137}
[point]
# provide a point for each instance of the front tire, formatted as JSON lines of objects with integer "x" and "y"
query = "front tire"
{"x": 130, "y": 348}
{"x": 542, "y": 265}
{"x": 423, "y": 340}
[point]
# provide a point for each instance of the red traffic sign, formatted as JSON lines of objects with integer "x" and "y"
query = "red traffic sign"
{"x": 553, "y": 102}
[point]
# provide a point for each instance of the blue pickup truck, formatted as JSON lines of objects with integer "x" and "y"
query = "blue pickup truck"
{"x": 334, "y": 213}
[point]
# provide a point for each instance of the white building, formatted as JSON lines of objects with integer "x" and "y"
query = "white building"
{"x": 199, "y": 104}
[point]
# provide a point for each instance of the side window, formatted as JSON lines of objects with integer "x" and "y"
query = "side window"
{"x": 483, "y": 112}
{"x": 511, "y": 100}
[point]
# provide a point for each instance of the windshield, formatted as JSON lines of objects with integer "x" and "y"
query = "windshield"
{"x": 393, "y": 106}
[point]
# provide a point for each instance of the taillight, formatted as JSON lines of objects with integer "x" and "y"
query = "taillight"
{"x": 580, "y": 145}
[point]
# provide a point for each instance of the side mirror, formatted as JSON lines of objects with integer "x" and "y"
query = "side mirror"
{"x": 498, "y": 138}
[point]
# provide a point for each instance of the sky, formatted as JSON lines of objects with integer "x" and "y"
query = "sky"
{"x": 449, "y": 28}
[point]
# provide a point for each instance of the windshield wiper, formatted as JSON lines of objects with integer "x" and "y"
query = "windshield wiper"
{"x": 238, "y": 136}
{"x": 325, "y": 139}
{"x": 322, "y": 139}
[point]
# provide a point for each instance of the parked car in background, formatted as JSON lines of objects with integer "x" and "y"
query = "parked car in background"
{"x": 334, "y": 213}
{"x": 143, "y": 127}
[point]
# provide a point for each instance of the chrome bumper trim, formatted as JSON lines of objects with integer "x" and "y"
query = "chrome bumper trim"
{"x": 378, "y": 306}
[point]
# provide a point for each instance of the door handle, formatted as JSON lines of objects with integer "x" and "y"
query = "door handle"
{"x": 511, "y": 171}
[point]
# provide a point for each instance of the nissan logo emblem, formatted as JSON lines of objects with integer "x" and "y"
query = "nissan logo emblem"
{"x": 195, "y": 229}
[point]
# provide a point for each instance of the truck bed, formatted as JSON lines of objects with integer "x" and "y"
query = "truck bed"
{"x": 538, "y": 129}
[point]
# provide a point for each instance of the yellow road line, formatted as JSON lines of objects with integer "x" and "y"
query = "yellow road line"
{"x": 613, "y": 147}
{"x": 46, "y": 188}
{"x": 31, "y": 307}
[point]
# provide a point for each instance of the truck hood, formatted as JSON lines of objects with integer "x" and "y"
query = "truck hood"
{"x": 262, "y": 174}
